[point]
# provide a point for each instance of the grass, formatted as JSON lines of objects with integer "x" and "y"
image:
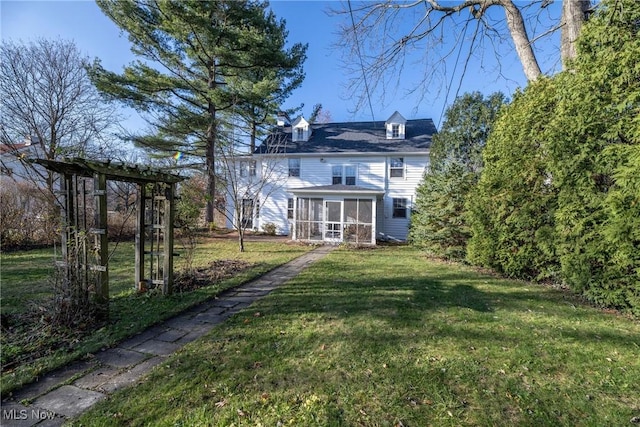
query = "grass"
{"x": 387, "y": 337}
{"x": 26, "y": 280}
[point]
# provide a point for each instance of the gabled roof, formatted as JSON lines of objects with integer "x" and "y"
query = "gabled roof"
{"x": 351, "y": 137}
{"x": 300, "y": 121}
{"x": 396, "y": 118}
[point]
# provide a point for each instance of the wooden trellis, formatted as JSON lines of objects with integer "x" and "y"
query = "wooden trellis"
{"x": 83, "y": 197}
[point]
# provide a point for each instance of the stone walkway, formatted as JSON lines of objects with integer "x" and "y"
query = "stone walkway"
{"x": 69, "y": 391}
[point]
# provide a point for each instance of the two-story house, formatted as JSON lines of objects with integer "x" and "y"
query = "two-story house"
{"x": 339, "y": 182}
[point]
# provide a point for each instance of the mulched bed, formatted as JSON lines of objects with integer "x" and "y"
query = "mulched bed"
{"x": 215, "y": 272}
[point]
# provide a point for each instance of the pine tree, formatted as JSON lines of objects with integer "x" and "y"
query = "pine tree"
{"x": 201, "y": 63}
{"x": 438, "y": 223}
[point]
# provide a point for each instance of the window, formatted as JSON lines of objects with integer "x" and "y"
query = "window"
{"x": 336, "y": 173}
{"x": 399, "y": 208}
{"x": 358, "y": 217}
{"x": 290, "y": 208}
{"x": 294, "y": 167}
{"x": 247, "y": 213}
{"x": 395, "y": 131}
{"x": 299, "y": 134}
{"x": 309, "y": 219}
{"x": 343, "y": 174}
{"x": 350, "y": 175}
{"x": 247, "y": 167}
{"x": 396, "y": 167}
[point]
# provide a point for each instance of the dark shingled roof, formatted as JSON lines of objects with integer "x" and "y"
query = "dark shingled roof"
{"x": 353, "y": 137}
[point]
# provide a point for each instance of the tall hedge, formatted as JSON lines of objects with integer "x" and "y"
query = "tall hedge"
{"x": 512, "y": 209}
{"x": 594, "y": 156}
{"x": 560, "y": 189}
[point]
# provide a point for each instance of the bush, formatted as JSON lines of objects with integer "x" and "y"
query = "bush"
{"x": 28, "y": 217}
{"x": 270, "y": 228}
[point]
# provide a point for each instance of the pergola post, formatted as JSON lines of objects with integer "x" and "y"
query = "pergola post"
{"x": 169, "y": 218}
{"x": 141, "y": 283}
{"x": 101, "y": 249}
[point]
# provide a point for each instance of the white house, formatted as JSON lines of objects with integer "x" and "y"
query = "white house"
{"x": 338, "y": 182}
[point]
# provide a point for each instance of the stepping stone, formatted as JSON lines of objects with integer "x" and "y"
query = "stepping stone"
{"x": 158, "y": 348}
{"x": 171, "y": 335}
{"x": 120, "y": 357}
{"x": 68, "y": 400}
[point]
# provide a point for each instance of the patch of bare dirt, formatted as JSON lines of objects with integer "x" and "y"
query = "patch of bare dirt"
{"x": 215, "y": 272}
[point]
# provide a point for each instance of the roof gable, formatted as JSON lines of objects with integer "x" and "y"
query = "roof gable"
{"x": 396, "y": 118}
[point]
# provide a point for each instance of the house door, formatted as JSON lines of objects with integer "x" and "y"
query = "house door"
{"x": 333, "y": 221}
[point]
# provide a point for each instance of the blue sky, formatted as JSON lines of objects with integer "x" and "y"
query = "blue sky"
{"x": 307, "y": 22}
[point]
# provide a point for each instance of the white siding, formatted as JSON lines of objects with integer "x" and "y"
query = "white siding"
{"x": 403, "y": 188}
{"x": 372, "y": 172}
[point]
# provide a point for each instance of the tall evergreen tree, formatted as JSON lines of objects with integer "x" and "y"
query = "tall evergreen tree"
{"x": 438, "y": 223}
{"x": 200, "y": 63}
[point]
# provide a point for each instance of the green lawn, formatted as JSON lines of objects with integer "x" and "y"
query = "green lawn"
{"x": 25, "y": 280}
{"x": 387, "y": 337}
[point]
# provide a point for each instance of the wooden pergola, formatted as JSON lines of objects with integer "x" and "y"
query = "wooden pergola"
{"x": 81, "y": 181}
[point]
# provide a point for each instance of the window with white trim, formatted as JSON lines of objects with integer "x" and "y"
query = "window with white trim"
{"x": 290, "y": 208}
{"x": 294, "y": 166}
{"x": 247, "y": 168}
{"x": 350, "y": 175}
{"x": 344, "y": 174}
{"x": 396, "y": 167}
{"x": 395, "y": 131}
{"x": 336, "y": 174}
{"x": 400, "y": 208}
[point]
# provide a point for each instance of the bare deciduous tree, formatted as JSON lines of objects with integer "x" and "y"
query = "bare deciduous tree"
{"x": 249, "y": 181}
{"x": 47, "y": 98}
{"x": 380, "y": 36}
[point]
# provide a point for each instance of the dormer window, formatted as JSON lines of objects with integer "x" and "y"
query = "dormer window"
{"x": 395, "y": 126}
{"x": 301, "y": 131}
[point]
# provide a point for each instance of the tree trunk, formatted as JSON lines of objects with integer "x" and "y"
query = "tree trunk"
{"x": 210, "y": 162}
{"x": 573, "y": 16}
{"x": 210, "y": 167}
{"x": 241, "y": 239}
{"x": 521, "y": 40}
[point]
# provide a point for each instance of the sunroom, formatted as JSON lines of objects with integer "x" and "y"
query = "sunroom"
{"x": 335, "y": 214}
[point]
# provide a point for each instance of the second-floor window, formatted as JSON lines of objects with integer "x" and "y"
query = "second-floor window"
{"x": 396, "y": 167}
{"x": 294, "y": 167}
{"x": 248, "y": 168}
{"x": 343, "y": 174}
{"x": 336, "y": 173}
{"x": 350, "y": 175}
